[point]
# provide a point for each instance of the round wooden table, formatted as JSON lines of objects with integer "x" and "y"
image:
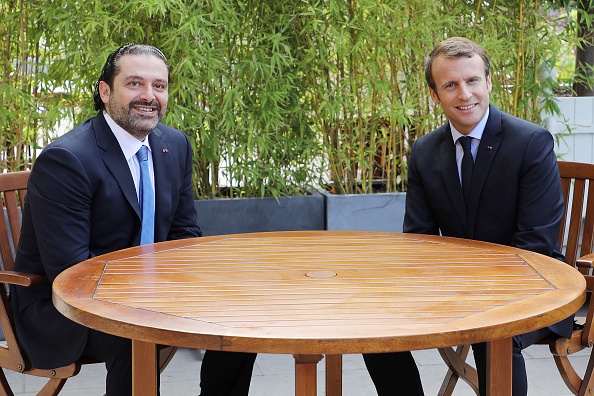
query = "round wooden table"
{"x": 310, "y": 293}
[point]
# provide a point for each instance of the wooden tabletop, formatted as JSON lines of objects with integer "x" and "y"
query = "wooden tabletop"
{"x": 319, "y": 292}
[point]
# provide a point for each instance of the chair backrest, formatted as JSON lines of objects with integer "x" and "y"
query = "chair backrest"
{"x": 13, "y": 187}
{"x": 577, "y": 229}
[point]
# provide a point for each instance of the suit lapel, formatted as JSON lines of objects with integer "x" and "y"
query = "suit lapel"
{"x": 114, "y": 160}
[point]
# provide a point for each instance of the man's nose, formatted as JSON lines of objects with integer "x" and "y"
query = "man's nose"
{"x": 147, "y": 94}
{"x": 464, "y": 93}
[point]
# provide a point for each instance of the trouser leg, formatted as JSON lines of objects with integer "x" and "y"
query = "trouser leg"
{"x": 519, "y": 378}
{"x": 116, "y": 352}
{"x": 226, "y": 373}
{"x": 394, "y": 373}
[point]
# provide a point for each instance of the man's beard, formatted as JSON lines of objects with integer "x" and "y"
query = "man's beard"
{"x": 135, "y": 124}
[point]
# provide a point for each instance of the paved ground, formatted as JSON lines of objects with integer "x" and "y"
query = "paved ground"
{"x": 274, "y": 376}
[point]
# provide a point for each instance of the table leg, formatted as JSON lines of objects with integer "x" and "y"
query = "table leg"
{"x": 144, "y": 368}
{"x": 306, "y": 380}
{"x": 333, "y": 375}
{"x": 499, "y": 367}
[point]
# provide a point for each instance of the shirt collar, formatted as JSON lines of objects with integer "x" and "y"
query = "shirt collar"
{"x": 128, "y": 143}
{"x": 476, "y": 133}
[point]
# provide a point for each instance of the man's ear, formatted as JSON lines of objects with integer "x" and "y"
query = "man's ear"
{"x": 489, "y": 85}
{"x": 104, "y": 91}
{"x": 434, "y": 96}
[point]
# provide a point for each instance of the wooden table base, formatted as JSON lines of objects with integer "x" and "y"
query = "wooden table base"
{"x": 499, "y": 367}
{"x": 144, "y": 368}
{"x": 499, "y": 370}
{"x": 306, "y": 379}
{"x": 333, "y": 375}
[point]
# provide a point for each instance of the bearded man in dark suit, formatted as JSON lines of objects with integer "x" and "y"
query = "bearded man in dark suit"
{"x": 83, "y": 201}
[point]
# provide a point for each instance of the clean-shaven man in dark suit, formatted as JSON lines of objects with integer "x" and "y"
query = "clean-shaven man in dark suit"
{"x": 83, "y": 201}
{"x": 514, "y": 195}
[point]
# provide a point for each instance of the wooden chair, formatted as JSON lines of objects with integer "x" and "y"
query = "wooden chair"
{"x": 13, "y": 187}
{"x": 576, "y": 237}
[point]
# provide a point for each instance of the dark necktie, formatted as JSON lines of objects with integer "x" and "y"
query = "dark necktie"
{"x": 146, "y": 199}
{"x": 466, "y": 168}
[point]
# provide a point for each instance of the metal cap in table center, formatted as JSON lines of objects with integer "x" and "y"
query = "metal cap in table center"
{"x": 320, "y": 274}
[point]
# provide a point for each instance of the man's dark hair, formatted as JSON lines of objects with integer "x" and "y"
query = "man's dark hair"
{"x": 455, "y": 47}
{"x": 112, "y": 66}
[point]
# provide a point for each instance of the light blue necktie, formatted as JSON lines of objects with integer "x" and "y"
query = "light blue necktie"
{"x": 146, "y": 199}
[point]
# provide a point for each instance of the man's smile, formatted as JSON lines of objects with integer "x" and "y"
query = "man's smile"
{"x": 467, "y": 107}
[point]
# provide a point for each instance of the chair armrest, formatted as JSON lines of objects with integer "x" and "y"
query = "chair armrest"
{"x": 587, "y": 338}
{"x": 20, "y": 278}
{"x": 586, "y": 261}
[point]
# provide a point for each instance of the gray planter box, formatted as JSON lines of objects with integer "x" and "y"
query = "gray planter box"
{"x": 242, "y": 215}
{"x": 365, "y": 212}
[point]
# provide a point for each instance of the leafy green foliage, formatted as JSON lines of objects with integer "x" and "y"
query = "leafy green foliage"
{"x": 276, "y": 96}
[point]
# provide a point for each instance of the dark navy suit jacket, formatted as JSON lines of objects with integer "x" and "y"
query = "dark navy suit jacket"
{"x": 516, "y": 197}
{"x": 81, "y": 202}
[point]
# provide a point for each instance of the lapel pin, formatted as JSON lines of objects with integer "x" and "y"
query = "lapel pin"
{"x": 489, "y": 147}
{"x": 165, "y": 150}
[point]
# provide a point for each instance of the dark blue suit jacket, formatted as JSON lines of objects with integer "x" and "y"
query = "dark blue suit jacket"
{"x": 516, "y": 197}
{"x": 81, "y": 202}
